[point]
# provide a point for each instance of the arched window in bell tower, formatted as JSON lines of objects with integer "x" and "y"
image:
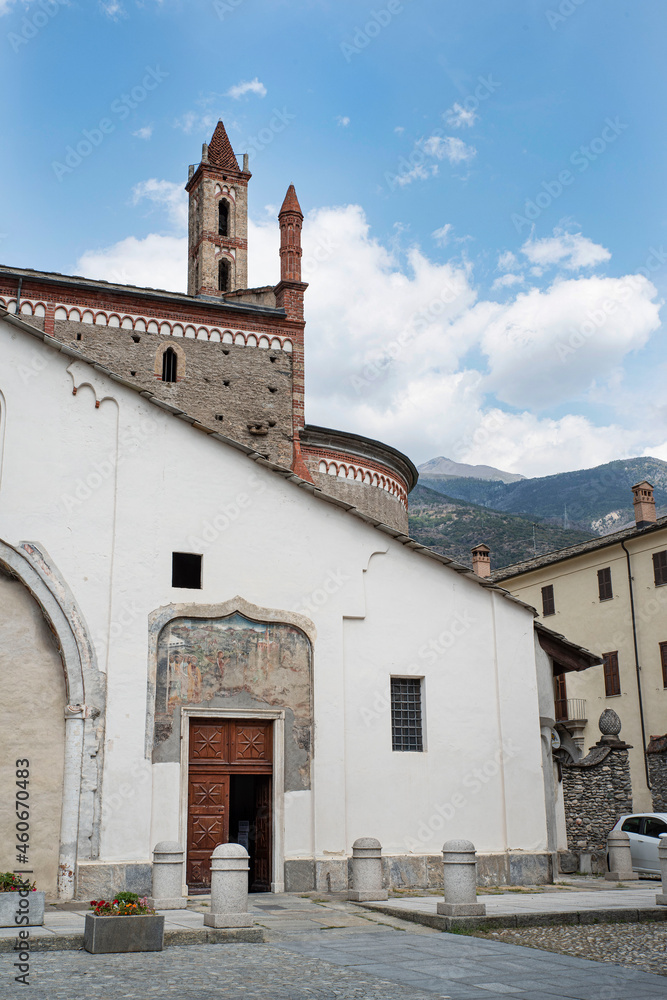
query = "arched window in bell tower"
{"x": 223, "y": 217}
{"x": 223, "y": 276}
{"x": 169, "y": 365}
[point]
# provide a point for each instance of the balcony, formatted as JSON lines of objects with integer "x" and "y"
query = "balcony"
{"x": 571, "y": 710}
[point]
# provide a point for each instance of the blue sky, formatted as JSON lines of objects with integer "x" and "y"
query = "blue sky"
{"x": 512, "y": 152}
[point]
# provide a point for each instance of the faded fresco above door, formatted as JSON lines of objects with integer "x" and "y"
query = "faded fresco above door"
{"x": 234, "y": 662}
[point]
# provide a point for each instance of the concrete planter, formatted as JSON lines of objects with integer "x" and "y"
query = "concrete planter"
{"x": 103, "y": 935}
{"x": 21, "y": 903}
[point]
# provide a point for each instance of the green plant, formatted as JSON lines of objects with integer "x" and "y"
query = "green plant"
{"x": 14, "y": 883}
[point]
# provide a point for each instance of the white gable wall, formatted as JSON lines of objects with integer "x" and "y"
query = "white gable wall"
{"x": 111, "y": 491}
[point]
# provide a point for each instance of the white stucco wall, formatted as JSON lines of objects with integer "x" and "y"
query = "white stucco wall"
{"x": 110, "y": 491}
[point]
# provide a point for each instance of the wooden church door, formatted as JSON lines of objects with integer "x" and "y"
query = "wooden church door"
{"x": 229, "y": 756}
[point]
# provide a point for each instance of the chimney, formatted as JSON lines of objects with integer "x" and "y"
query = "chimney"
{"x": 481, "y": 560}
{"x": 644, "y": 504}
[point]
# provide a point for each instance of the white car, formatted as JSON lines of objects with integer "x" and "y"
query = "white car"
{"x": 644, "y": 831}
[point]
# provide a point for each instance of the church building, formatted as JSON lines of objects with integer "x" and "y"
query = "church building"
{"x": 214, "y": 625}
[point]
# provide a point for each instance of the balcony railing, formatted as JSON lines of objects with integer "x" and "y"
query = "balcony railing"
{"x": 571, "y": 710}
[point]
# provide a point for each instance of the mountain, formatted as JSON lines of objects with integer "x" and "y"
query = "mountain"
{"x": 452, "y": 526}
{"x": 596, "y": 501}
{"x": 445, "y": 467}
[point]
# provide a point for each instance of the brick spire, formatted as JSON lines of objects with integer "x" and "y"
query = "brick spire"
{"x": 291, "y": 202}
{"x": 220, "y": 152}
{"x": 290, "y": 218}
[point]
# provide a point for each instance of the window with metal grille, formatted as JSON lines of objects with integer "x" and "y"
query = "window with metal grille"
{"x": 604, "y": 584}
{"x": 612, "y": 680}
{"x": 223, "y": 217}
{"x": 406, "y": 714}
{"x": 663, "y": 661}
{"x": 169, "y": 365}
{"x": 660, "y": 568}
{"x": 548, "y": 603}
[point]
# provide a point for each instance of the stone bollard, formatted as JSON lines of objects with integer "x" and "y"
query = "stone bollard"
{"x": 168, "y": 876}
{"x": 460, "y": 878}
{"x": 620, "y": 858}
{"x": 661, "y": 898}
{"x": 367, "y": 871}
{"x": 230, "y": 864}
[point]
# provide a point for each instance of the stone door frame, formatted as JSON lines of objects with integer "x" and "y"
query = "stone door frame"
{"x": 277, "y": 716}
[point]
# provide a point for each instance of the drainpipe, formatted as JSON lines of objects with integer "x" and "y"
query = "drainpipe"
{"x": 18, "y": 296}
{"x": 637, "y": 667}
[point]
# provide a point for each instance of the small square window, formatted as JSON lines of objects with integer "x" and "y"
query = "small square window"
{"x": 604, "y": 584}
{"x": 186, "y": 570}
{"x": 660, "y": 568}
{"x": 406, "y": 714}
{"x": 548, "y": 603}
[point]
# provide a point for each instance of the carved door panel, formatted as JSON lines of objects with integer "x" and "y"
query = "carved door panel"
{"x": 262, "y": 845}
{"x": 208, "y": 824}
{"x": 251, "y": 744}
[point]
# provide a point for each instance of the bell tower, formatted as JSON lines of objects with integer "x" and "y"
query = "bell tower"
{"x": 218, "y": 219}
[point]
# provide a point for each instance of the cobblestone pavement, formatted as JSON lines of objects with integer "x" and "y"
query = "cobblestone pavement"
{"x": 326, "y": 949}
{"x": 641, "y": 945}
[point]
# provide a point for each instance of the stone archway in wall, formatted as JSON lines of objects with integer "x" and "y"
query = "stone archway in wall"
{"x": 51, "y": 714}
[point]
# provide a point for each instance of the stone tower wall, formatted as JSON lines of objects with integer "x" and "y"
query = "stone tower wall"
{"x": 206, "y": 246}
{"x": 248, "y": 387}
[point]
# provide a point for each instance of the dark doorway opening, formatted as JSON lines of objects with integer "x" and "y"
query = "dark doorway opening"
{"x": 250, "y": 824}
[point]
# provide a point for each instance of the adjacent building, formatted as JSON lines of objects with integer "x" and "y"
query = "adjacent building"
{"x": 610, "y": 595}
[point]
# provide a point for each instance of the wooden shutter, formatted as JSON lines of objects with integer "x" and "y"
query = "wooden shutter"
{"x": 663, "y": 661}
{"x": 548, "y": 602}
{"x": 561, "y": 697}
{"x": 660, "y": 568}
{"x": 612, "y": 680}
{"x": 604, "y": 584}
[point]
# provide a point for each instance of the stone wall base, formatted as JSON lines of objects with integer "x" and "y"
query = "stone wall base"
{"x": 101, "y": 880}
{"x": 408, "y": 871}
{"x": 582, "y": 862}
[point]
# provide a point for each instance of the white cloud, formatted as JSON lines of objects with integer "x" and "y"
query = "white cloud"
{"x": 506, "y": 261}
{"x": 419, "y": 172}
{"x": 343, "y": 120}
{"x": 113, "y": 9}
{"x": 442, "y": 235}
{"x": 166, "y": 195}
{"x": 450, "y": 148}
{"x": 247, "y": 87}
{"x": 569, "y": 250}
{"x": 153, "y": 262}
{"x": 459, "y": 117}
{"x": 196, "y": 121}
{"x": 399, "y": 130}
{"x": 144, "y": 133}
{"x": 507, "y": 280}
{"x": 390, "y": 358}
{"x": 548, "y": 346}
